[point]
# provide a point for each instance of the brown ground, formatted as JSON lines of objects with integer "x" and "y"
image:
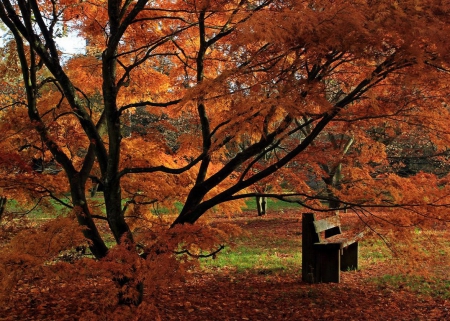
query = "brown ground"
{"x": 262, "y": 297}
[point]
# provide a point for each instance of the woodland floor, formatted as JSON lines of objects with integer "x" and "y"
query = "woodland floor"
{"x": 262, "y": 297}
{"x": 228, "y": 293}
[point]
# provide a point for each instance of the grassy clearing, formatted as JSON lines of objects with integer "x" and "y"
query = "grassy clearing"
{"x": 273, "y": 246}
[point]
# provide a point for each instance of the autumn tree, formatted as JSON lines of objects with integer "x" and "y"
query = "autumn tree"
{"x": 226, "y": 84}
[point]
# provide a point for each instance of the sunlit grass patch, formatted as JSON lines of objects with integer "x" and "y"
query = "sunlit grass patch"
{"x": 374, "y": 251}
{"x": 245, "y": 258}
{"x": 272, "y": 205}
{"x": 37, "y": 211}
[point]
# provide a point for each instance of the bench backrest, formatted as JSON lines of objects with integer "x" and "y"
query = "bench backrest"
{"x": 331, "y": 225}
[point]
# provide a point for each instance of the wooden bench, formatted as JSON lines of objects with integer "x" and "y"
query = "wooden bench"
{"x": 324, "y": 257}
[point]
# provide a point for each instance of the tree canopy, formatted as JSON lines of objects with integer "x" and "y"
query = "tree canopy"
{"x": 209, "y": 103}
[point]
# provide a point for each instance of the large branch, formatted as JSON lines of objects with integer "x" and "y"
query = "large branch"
{"x": 201, "y": 109}
{"x": 46, "y": 32}
{"x": 121, "y": 21}
{"x": 163, "y": 169}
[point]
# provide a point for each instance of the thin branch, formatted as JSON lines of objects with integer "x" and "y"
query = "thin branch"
{"x": 198, "y": 256}
{"x": 440, "y": 68}
{"x": 381, "y": 236}
{"x": 149, "y": 104}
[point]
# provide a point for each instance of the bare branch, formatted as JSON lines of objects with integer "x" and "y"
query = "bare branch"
{"x": 198, "y": 256}
{"x": 163, "y": 169}
{"x": 149, "y": 104}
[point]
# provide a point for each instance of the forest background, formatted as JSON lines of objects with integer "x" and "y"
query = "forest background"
{"x": 178, "y": 110}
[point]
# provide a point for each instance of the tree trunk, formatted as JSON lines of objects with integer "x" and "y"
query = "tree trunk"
{"x": 116, "y": 220}
{"x": 3, "y": 200}
{"x": 261, "y": 205}
{"x": 83, "y": 214}
{"x": 333, "y": 202}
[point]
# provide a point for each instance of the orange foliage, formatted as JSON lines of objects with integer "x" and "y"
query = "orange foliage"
{"x": 206, "y": 104}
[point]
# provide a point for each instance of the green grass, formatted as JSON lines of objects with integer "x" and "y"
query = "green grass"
{"x": 157, "y": 210}
{"x": 374, "y": 251}
{"x": 255, "y": 259}
{"x": 430, "y": 287}
{"x": 37, "y": 211}
{"x": 259, "y": 253}
{"x": 272, "y": 204}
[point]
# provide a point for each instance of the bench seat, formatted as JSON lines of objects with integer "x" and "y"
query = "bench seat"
{"x": 344, "y": 240}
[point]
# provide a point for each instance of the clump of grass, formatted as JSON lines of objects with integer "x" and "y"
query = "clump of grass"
{"x": 433, "y": 287}
{"x": 374, "y": 251}
{"x": 261, "y": 261}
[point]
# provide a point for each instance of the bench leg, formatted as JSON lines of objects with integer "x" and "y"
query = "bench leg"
{"x": 309, "y": 237}
{"x": 328, "y": 261}
{"x": 349, "y": 260}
